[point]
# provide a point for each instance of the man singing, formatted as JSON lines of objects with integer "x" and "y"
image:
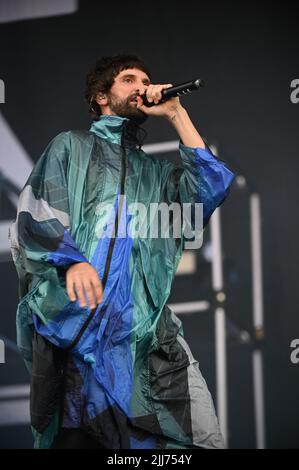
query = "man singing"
{"x": 109, "y": 364}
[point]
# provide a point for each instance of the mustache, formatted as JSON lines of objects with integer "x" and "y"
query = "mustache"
{"x": 134, "y": 96}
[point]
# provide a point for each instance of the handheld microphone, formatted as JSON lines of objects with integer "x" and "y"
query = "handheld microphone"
{"x": 176, "y": 90}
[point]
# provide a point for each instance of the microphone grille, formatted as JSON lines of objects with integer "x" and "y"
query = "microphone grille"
{"x": 199, "y": 82}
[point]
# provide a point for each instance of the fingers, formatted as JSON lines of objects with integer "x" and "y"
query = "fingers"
{"x": 84, "y": 285}
{"x": 89, "y": 293}
{"x": 71, "y": 290}
{"x": 140, "y": 104}
{"x": 98, "y": 290}
{"x": 154, "y": 92}
{"x": 80, "y": 292}
{"x": 154, "y": 96}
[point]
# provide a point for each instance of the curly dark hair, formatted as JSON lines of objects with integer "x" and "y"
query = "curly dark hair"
{"x": 101, "y": 78}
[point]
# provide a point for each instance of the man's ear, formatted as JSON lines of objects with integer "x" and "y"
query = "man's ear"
{"x": 101, "y": 99}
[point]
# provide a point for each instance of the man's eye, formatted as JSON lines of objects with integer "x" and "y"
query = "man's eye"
{"x": 128, "y": 80}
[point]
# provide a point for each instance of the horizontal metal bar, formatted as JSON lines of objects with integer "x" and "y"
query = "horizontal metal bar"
{"x": 190, "y": 307}
{"x": 161, "y": 147}
{"x": 14, "y": 391}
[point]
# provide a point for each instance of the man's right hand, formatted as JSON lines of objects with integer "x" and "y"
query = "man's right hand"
{"x": 80, "y": 278}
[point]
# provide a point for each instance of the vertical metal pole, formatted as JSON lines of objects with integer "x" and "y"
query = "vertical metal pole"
{"x": 220, "y": 327}
{"x": 258, "y": 319}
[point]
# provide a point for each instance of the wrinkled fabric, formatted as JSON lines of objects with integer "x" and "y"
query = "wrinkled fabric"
{"x": 122, "y": 372}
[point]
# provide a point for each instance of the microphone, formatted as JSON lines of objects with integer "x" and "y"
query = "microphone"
{"x": 176, "y": 90}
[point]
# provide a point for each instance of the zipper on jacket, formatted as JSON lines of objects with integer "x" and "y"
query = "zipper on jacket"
{"x": 111, "y": 244}
{"x": 119, "y": 209}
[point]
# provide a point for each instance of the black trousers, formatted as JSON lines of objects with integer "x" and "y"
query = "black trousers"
{"x": 75, "y": 439}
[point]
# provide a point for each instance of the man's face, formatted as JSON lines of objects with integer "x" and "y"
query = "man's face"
{"x": 127, "y": 85}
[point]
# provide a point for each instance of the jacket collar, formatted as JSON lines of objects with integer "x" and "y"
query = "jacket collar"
{"x": 117, "y": 130}
{"x": 109, "y": 127}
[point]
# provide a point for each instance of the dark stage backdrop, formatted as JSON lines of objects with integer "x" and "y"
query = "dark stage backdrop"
{"x": 248, "y": 54}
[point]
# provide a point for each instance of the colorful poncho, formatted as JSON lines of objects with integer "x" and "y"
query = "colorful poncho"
{"x": 123, "y": 371}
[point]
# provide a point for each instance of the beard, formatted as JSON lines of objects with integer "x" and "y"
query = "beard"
{"x": 126, "y": 108}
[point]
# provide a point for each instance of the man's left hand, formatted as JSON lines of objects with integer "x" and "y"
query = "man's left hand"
{"x": 154, "y": 95}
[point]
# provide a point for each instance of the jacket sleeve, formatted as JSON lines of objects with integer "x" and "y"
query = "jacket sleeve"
{"x": 200, "y": 185}
{"x": 205, "y": 179}
{"x": 40, "y": 238}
